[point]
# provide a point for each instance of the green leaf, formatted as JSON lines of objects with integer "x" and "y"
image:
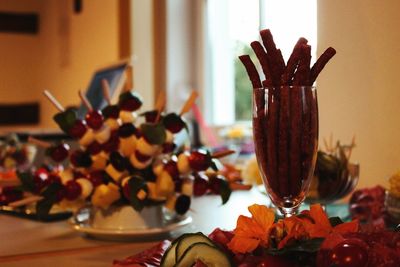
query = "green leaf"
{"x": 335, "y": 221}
{"x": 27, "y": 182}
{"x": 309, "y": 246}
{"x": 225, "y": 191}
{"x": 135, "y": 185}
{"x": 66, "y": 119}
{"x": 214, "y": 165}
{"x": 49, "y": 198}
{"x": 154, "y": 133}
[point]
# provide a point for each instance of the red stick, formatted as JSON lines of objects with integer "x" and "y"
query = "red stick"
{"x": 260, "y": 134}
{"x": 276, "y": 61}
{"x": 272, "y": 139}
{"x": 320, "y": 64}
{"x": 303, "y": 70}
{"x": 263, "y": 58}
{"x": 283, "y": 140}
{"x": 293, "y": 62}
{"x": 251, "y": 71}
{"x": 295, "y": 140}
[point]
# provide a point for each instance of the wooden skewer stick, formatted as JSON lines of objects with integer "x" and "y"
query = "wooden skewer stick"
{"x": 222, "y": 154}
{"x": 85, "y": 101}
{"x": 352, "y": 145}
{"x": 9, "y": 182}
{"x": 106, "y": 90}
{"x": 160, "y": 104}
{"x": 38, "y": 142}
{"x": 54, "y": 101}
{"x": 25, "y": 201}
{"x": 326, "y": 145}
{"x": 161, "y": 100}
{"x": 189, "y": 103}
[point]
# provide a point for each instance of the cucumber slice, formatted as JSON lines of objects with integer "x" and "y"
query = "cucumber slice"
{"x": 208, "y": 254}
{"x": 178, "y": 247}
{"x": 168, "y": 259}
{"x": 170, "y": 256}
{"x": 189, "y": 240}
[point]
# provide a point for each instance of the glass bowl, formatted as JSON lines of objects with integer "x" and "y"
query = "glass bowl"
{"x": 330, "y": 187}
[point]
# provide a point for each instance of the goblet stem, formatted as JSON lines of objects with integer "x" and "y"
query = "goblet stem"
{"x": 288, "y": 212}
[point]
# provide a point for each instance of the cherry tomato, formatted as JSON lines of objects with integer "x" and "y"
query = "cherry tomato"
{"x": 349, "y": 253}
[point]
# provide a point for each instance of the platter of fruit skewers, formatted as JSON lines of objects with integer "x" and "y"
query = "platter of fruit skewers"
{"x": 124, "y": 158}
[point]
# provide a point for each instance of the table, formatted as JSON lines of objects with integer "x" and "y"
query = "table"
{"x": 30, "y": 243}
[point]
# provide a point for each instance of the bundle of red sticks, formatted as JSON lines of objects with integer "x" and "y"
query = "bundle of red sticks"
{"x": 285, "y": 121}
{"x": 297, "y": 71}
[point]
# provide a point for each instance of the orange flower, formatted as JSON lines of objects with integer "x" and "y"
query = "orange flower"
{"x": 321, "y": 227}
{"x": 293, "y": 229}
{"x": 254, "y": 231}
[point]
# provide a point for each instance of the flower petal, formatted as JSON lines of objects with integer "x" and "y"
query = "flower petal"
{"x": 247, "y": 227}
{"x": 240, "y": 244}
{"x": 262, "y": 215}
{"x": 319, "y": 216}
{"x": 349, "y": 227}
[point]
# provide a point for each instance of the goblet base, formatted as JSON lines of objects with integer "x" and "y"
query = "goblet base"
{"x": 289, "y": 208}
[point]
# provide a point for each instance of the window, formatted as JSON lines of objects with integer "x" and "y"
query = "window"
{"x": 231, "y": 26}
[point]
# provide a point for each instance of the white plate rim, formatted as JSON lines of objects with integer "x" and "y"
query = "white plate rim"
{"x": 87, "y": 229}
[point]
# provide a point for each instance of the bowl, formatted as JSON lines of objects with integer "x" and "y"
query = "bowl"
{"x": 326, "y": 188}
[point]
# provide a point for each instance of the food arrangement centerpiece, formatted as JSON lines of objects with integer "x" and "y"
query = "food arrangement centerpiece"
{"x": 124, "y": 158}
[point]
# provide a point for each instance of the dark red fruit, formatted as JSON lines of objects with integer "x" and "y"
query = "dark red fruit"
{"x": 78, "y": 129}
{"x": 349, "y": 253}
{"x": 53, "y": 178}
{"x": 182, "y": 204}
{"x": 141, "y": 157}
{"x": 129, "y": 101}
{"x": 94, "y": 119}
{"x": 94, "y": 148}
{"x": 96, "y": 178}
{"x": 151, "y": 116}
{"x": 126, "y": 130}
{"x": 172, "y": 168}
{"x": 173, "y": 123}
{"x": 59, "y": 152}
{"x": 276, "y": 261}
{"x": 111, "y": 111}
{"x": 61, "y": 194}
{"x": 200, "y": 186}
{"x": 40, "y": 179}
{"x": 20, "y": 156}
{"x": 199, "y": 160}
{"x": 178, "y": 185}
{"x": 168, "y": 148}
{"x": 78, "y": 174}
{"x": 118, "y": 161}
{"x": 126, "y": 191}
{"x": 113, "y": 143}
{"x": 9, "y": 194}
{"x": 81, "y": 158}
{"x": 72, "y": 190}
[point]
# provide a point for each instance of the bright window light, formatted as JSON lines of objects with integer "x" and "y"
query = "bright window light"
{"x": 231, "y": 26}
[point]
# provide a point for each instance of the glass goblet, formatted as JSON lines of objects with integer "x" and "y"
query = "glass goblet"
{"x": 285, "y": 132}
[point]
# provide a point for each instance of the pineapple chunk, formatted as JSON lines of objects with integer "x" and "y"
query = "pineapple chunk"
{"x": 104, "y": 195}
{"x": 164, "y": 184}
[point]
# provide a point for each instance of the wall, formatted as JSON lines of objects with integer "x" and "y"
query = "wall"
{"x": 62, "y": 57}
{"x": 359, "y": 89}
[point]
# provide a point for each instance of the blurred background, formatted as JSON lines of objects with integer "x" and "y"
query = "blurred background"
{"x": 178, "y": 46}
